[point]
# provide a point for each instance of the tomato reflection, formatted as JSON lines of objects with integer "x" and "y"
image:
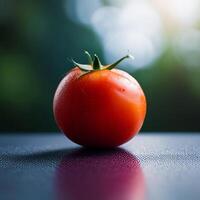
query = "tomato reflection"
{"x": 107, "y": 175}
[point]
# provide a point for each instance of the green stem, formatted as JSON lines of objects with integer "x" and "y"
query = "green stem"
{"x": 96, "y": 63}
{"x": 89, "y": 57}
{"x": 118, "y": 61}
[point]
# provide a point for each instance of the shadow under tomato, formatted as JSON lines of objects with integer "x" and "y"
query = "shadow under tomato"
{"x": 100, "y": 175}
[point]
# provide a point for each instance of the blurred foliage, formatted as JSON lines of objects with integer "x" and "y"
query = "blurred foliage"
{"x": 36, "y": 40}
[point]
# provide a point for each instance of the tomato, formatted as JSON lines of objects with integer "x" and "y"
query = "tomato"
{"x": 88, "y": 175}
{"x": 99, "y": 106}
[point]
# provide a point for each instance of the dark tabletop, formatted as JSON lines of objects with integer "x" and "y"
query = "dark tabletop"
{"x": 151, "y": 166}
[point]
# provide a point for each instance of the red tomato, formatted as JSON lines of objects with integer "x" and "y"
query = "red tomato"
{"x": 98, "y": 106}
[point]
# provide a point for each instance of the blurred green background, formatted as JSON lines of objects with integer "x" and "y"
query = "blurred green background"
{"x": 37, "y": 38}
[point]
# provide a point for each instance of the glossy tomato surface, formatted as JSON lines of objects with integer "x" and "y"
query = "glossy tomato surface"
{"x": 103, "y": 108}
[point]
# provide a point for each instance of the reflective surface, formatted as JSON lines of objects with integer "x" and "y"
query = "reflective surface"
{"x": 100, "y": 175}
{"x": 150, "y": 167}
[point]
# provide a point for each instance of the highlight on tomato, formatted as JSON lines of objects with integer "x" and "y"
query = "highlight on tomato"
{"x": 99, "y": 106}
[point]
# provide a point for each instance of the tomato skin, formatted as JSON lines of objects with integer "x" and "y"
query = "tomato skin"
{"x": 104, "y": 108}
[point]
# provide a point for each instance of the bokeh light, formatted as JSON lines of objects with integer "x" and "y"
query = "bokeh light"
{"x": 128, "y": 30}
{"x": 134, "y": 27}
{"x": 187, "y": 47}
{"x": 180, "y": 12}
{"x": 81, "y": 11}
